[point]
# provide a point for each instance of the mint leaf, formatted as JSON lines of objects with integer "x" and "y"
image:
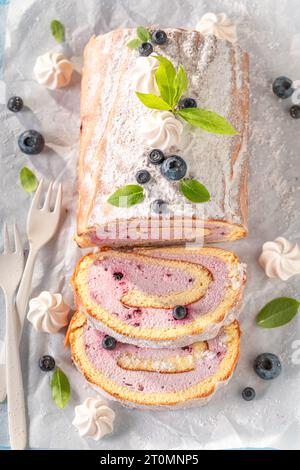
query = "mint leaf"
{"x": 194, "y": 191}
{"x": 278, "y": 312}
{"x": 181, "y": 83}
{"x": 134, "y": 43}
{"x": 143, "y": 34}
{"x": 28, "y": 180}
{"x": 207, "y": 120}
{"x": 60, "y": 388}
{"x": 127, "y": 196}
{"x": 153, "y": 101}
{"x": 165, "y": 77}
{"x": 57, "y": 30}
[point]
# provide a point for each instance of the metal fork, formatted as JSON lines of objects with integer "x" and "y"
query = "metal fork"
{"x": 42, "y": 224}
{"x": 11, "y": 269}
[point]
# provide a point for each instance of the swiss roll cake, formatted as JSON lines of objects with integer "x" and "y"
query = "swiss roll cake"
{"x": 156, "y": 378}
{"x": 160, "y": 298}
{"x": 118, "y": 134}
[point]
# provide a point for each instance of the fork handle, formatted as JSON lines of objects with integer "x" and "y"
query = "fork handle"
{"x": 25, "y": 287}
{"x": 21, "y": 303}
{"x": 14, "y": 382}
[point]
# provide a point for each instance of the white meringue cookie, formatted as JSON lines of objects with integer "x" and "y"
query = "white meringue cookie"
{"x": 143, "y": 75}
{"x": 93, "y": 419}
{"x": 280, "y": 258}
{"x": 53, "y": 70}
{"x": 162, "y": 130}
{"x": 219, "y": 25}
{"x": 48, "y": 312}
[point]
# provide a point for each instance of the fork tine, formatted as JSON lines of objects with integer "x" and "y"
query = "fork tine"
{"x": 58, "y": 200}
{"x": 18, "y": 244}
{"x": 47, "y": 203}
{"x": 6, "y": 248}
{"x": 37, "y": 196}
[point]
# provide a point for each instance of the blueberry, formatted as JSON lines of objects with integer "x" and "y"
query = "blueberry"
{"x": 159, "y": 37}
{"x": 295, "y": 112}
{"x": 159, "y": 206}
{"x": 248, "y": 393}
{"x": 179, "y": 312}
{"x": 109, "y": 343}
{"x": 156, "y": 157}
{"x": 145, "y": 49}
{"x": 31, "y": 142}
{"x": 46, "y": 363}
{"x": 187, "y": 103}
{"x": 143, "y": 176}
{"x": 15, "y": 104}
{"x": 267, "y": 366}
{"x": 282, "y": 87}
{"x": 173, "y": 168}
{"x": 118, "y": 276}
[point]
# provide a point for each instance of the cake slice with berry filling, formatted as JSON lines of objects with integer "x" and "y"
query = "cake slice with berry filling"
{"x": 159, "y": 379}
{"x": 160, "y": 298}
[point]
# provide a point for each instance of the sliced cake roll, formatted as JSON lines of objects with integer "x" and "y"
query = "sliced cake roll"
{"x": 118, "y": 133}
{"x": 158, "y": 378}
{"x": 160, "y": 298}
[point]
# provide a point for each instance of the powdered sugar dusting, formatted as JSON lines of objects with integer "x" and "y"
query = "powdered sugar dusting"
{"x": 214, "y": 69}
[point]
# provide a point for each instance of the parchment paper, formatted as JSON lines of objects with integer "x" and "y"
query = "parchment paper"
{"x": 269, "y": 31}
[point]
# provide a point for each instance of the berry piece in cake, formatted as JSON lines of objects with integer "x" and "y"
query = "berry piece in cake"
{"x": 143, "y": 176}
{"x": 174, "y": 168}
{"x": 145, "y": 49}
{"x": 187, "y": 103}
{"x": 15, "y": 104}
{"x": 283, "y": 87}
{"x": 31, "y": 142}
{"x": 156, "y": 157}
{"x": 118, "y": 276}
{"x": 267, "y": 366}
{"x": 248, "y": 394}
{"x": 179, "y": 312}
{"x": 109, "y": 343}
{"x": 159, "y": 37}
{"x": 295, "y": 112}
{"x": 159, "y": 206}
{"x": 46, "y": 363}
